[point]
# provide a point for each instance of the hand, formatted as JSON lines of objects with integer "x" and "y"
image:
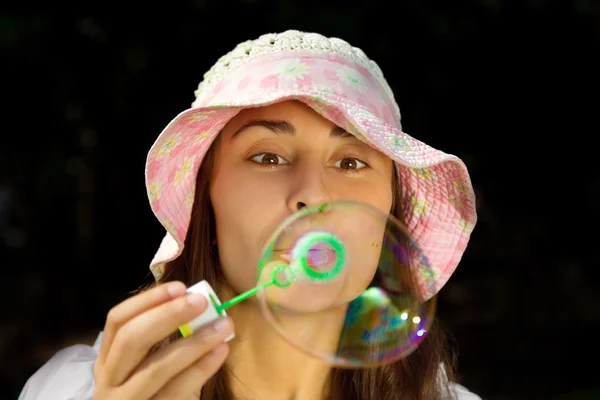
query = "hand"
{"x": 123, "y": 369}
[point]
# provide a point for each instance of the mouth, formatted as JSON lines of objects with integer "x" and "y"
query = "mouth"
{"x": 319, "y": 258}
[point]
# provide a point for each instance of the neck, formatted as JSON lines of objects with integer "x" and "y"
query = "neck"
{"x": 264, "y": 366}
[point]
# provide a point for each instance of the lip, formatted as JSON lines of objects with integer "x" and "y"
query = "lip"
{"x": 321, "y": 264}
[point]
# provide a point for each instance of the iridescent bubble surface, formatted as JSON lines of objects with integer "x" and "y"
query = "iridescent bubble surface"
{"x": 342, "y": 282}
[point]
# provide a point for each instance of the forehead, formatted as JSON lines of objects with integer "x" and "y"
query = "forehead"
{"x": 293, "y": 111}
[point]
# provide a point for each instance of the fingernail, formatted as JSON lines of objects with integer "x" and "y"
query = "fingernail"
{"x": 196, "y": 300}
{"x": 222, "y": 325}
{"x": 176, "y": 289}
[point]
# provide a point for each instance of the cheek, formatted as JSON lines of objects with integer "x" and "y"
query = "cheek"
{"x": 246, "y": 201}
{"x": 246, "y": 213}
{"x": 376, "y": 192}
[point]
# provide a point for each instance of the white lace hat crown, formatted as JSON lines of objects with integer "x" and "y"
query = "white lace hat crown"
{"x": 289, "y": 40}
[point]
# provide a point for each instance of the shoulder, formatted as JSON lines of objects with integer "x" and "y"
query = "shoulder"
{"x": 457, "y": 391}
{"x": 462, "y": 393}
{"x": 69, "y": 374}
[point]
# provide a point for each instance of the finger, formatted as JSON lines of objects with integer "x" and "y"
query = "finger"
{"x": 133, "y": 341}
{"x": 191, "y": 380}
{"x": 170, "y": 361}
{"x": 128, "y": 309}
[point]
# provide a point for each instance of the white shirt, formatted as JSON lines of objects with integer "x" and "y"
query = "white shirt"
{"x": 69, "y": 375}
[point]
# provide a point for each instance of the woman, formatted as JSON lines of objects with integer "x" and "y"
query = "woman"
{"x": 281, "y": 123}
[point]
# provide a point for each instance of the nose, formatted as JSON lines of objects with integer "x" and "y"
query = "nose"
{"x": 309, "y": 190}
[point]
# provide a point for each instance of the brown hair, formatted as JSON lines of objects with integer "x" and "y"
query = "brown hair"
{"x": 417, "y": 376}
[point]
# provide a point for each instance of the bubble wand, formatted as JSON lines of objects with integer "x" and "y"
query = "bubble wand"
{"x": 299, "y": 265}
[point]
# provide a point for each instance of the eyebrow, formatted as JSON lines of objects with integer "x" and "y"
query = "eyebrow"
{"x": 285, "y": 127}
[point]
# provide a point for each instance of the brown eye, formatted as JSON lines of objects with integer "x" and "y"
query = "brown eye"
{"x": 350, "y": 163}
{"x": 268, "y": 159}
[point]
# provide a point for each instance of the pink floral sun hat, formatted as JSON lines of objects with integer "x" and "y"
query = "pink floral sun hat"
{"x": 342, "y": 84}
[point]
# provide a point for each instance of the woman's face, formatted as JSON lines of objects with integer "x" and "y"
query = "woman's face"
{"x": 273, "y": 161}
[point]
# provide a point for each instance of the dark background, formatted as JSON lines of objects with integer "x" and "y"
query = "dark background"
{"x": 511, "y": 87}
